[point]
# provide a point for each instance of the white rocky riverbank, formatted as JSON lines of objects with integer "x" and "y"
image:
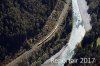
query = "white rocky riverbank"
{"x": 81, "y": 24}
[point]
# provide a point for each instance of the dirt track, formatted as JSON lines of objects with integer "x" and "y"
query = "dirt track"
{"x": 29, "y": 53}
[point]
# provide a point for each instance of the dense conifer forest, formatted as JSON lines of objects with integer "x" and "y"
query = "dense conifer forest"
{"x": 20, "y": 20}
{"x": 90, "y": 45}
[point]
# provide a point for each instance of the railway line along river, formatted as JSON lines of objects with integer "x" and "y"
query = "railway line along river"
{"x": 81, "y": 24}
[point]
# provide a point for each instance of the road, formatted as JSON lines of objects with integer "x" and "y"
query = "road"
{"x": 77, "y": 34}
{"x": 58, "y": 23}
{"x": 29, "y": 53}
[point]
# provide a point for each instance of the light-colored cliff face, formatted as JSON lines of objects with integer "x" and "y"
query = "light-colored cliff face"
{"x": 81, "y": 24}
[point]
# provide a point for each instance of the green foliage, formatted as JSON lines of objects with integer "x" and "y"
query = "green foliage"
{"x": 98, "y": 42}
{"x": 20, "y": 20}
{"x": 54, "y": 45}
{"x": 89, "y": 47}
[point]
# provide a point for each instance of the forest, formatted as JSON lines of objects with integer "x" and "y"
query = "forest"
{"x": 19, "y": 21}
{"x": 90, "y": 45}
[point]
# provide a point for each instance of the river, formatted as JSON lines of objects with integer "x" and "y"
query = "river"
{"x": 81, "y": 24}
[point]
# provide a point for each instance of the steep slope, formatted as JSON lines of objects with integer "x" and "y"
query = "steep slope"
{"x": 19, "y": 21}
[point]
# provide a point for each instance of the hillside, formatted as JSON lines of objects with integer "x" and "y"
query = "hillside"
{"x": 90, "y": 45}
{"x": 21, "y": 20}
{"x": 32, "y": 31}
